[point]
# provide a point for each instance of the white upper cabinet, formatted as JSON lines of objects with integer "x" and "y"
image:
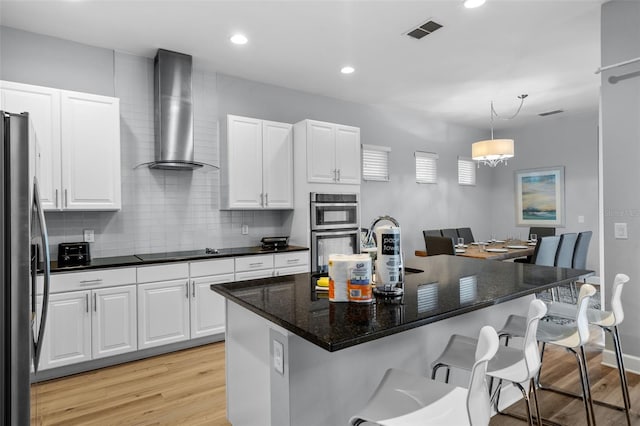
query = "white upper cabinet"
{"x": 90, "y": 151}
{"x": 333, "y": 152}
{"x": 79, "y": 142}
{"x": 259, "y": 164}
{"x": 42, "y": 104}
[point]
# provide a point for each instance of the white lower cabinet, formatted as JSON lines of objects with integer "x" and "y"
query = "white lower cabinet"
{"x": 208, "y": 307}
{"x": 114, "y": 323}
{"x": 67, "y": 339}
{"x": 163, "y": 313}
{"x": 91, "y": 324}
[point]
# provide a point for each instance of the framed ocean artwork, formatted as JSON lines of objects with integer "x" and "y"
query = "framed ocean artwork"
{"x": 540, "y": 197}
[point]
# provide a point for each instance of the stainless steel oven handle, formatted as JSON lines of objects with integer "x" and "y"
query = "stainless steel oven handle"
{"x": 329, "y": 233}
{"x": 316, "y": 204}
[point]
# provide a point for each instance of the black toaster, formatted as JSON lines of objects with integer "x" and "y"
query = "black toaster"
{"x": 73, "y": 254}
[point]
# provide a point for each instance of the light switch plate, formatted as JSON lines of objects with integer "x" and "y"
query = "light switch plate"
{"x": 245, "y": 229}
{"x": 580, "y": 219}
{"x": 278, "y": 356}
{"x": 88, "y": 236}
{"x": 620, "y": 231}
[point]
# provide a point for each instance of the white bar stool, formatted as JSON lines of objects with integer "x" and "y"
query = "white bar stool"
{"x": 571, "y": 336}
{"x": 516, "y": 365}
{"x": 608, "y": 321}
{"x": 405, "y": 399}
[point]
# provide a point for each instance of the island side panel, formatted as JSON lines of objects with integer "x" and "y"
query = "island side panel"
{"x": 319, "y": 387}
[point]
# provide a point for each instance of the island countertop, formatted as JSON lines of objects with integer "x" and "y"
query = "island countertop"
{"x": 447, "y": 286}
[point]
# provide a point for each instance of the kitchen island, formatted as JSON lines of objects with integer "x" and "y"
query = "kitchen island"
{"x": 293, "y": 357}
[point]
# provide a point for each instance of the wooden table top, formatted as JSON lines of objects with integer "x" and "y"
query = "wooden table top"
{"x": 476, "y": 252}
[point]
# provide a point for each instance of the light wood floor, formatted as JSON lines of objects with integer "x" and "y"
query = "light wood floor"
{"x": 188, "y": 388}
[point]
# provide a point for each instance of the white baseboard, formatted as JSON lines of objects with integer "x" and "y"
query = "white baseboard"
{"x": 631, "y": 363}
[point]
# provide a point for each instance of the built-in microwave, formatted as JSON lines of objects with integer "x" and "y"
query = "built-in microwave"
{"x": 334, "y": 211}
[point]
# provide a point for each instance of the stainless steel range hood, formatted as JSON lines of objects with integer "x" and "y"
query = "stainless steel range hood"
{"x": 173, "y": 112}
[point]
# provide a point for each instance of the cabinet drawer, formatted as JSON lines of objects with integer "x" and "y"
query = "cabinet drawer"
{"x": 254, "y": 275}
{"x": 91, "y": 279}
{"x": 291, "y": 259}
{"x": 211, "y": 267}
{"x": 291, "y": 270}
{"x": 171, "y": 271}
{"x": 252, "y": 263}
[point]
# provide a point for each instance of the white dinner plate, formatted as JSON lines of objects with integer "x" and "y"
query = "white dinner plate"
{"x": 532, "y": 244}
{"x": 518, "y": 247}
{"x": 477, "y": 243}
{"x": 460, "y": 250}
{"x": 461, "y": 246}
{"x": 499, "y": 241}
{"x": 497, "y": 250}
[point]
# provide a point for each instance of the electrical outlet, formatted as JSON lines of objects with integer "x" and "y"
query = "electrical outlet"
{"x": 245, "y": 229}
{"x": 278, "y": 356}
{"x": 88, "y": 236}
{"x": 581, "y": 219}
{"x": 620, "y": 231}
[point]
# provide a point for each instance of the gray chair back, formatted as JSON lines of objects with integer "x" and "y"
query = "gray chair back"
{"x": 545, "y": 251}
{"x": 439, "y": 245}
{"x": 466, "y": 234}
{"x": 581, "y": 250}
{"x": 450, "y": 232}
{"x": 432, "y": 232}
{"x": 542, "y": 231}
{"x": 566, "y": 248}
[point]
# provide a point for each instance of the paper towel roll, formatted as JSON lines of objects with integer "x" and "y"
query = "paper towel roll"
{"x": 388, "y": 256}
{"x": 349, "y": 272}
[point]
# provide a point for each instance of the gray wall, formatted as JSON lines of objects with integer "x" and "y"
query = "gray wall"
{"x": 416, "y": 206}
{"x": 562, "y": 140}
{"x": 621, "y": 151}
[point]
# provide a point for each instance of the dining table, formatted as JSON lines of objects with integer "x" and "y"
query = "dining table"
{"x": 492, "y": 250}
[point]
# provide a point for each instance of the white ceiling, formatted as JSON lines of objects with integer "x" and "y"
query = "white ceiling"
{"x": 547, "y": 49}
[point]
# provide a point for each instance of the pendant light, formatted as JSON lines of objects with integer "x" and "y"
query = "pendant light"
{"x": 492, "y": 152}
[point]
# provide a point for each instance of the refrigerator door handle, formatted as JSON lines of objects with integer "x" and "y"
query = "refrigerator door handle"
{"x": 39, "y": 213}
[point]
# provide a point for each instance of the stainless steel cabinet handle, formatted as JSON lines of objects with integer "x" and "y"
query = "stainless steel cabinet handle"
{"x": 66, "y": 198}
{"x": 56, "y": 198}
{"x": 266, "y": 199}
{"x": 87, "y": 282}
{"x": 95, "y": 303}
{"x": 335, "y": 174}
{"x": 261, "y": 199}
{"x": 193, "y": 289}
{"x": 86, "y": 302}
{"x": 338, "y": 175}
{"x": 293, "y": 260}
{"x": 255, "y": 264}
{"x": 187, "y": 286}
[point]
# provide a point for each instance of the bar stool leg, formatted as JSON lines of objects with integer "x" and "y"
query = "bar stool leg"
{"x": 621, "y": 371}
{"x": 584, "y": 381}
{"x": 532, "y": 387}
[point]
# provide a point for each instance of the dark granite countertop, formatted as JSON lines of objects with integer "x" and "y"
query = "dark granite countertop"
{"x": 178, "y": 256}
{"x": 449, "y": 286}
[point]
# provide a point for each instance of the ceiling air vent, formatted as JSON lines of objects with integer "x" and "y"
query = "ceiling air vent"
{"x": 557, "y": 111}
{"x": 424, "y": 29}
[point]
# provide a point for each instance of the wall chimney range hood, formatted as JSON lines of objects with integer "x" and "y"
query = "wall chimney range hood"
{"x": 174, "y": 144}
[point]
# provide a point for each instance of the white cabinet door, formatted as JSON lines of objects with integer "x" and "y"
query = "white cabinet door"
{"x": 163, "y": 313}
{"x": 320, "y": 152}
{"x": 207, "y": 307}
{"x": 90, "y": 151}
{"x": 244, "y": 150}
{"x": 277, "y": 165}
{"x": 348, "y": 154}
{"x": 43, "y": 106}
{"x": 67, "y": 337}
{"x": 114, "y": 323}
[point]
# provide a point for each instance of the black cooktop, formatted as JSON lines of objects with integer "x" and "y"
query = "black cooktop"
{"x": 186, "y": 254}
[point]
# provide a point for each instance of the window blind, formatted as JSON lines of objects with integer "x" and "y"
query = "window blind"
{"x": 426, "y": 167}
{"x": 466, "y": 171}
{"x": 375, "y": 162}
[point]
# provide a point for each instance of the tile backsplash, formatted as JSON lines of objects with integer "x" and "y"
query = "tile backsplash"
{"x": 163, "y": 210}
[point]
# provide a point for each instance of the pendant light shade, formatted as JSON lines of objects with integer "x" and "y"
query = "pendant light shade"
{"x": 492, "y": 151}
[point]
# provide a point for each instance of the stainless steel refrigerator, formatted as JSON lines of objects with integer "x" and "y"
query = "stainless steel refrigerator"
{"x": 24, "y": 254}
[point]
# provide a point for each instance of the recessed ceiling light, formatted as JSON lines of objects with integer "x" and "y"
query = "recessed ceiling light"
{"x": 347, "y": 70}
{"x": 470, "y": 4}
{"x": 239, "y": 39}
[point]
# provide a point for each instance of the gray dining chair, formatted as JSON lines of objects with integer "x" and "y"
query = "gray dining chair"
{"x": 545, "y": 251}
{"x": 582, "y": 248}
{"x": 450, "y": 232}
{"x": 439, "y": 245}
{"x": 466, "y": 234}
{"x": 566, "y": 249}
{"x": 542, "y": 231}
{"x": 432, "y": 232}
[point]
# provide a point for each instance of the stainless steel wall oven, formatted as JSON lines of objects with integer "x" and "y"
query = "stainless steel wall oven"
{"x": 335, "y": 227}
